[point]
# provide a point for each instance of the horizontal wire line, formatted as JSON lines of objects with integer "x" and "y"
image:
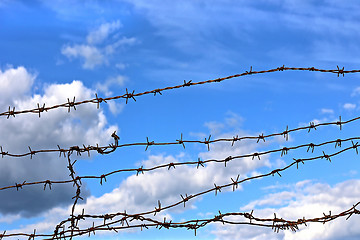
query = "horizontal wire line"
{"x": 256, "y": 155}
{"x": 113, "y": 147}
{"x": 216, "y": 189}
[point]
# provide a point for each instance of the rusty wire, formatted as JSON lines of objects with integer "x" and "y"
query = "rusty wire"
{"x": 199, "y": 163}
{"x": 217, "y": 189}
{"x": 131, "y": 95}
{"x": 112, "y": 147}
{"x": 69, "y": 228}
{"x": 274, "y": 223}
{"x": 74, "y": 219}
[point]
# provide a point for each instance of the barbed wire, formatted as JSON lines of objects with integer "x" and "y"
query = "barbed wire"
{"x": 255, "y": 155}
{"x": 131, "y": 95}
{"x": 217, "y": 188}
{"x": 112, "y": 147}
{"x": 69, "y": 227}
{"x": 275, "y": 223}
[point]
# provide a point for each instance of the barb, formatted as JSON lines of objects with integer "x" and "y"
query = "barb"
{"x": 201, "y": 163}
{"x": 72, "y": 104}
{"x": 112, "y": 147}
{"x": 217, "y": 188}
{"x": 69, "y": 228}
{"x": 275, "y": 223}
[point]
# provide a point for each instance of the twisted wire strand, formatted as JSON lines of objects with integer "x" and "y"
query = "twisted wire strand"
{"x": 200, "y": 163}
{"x": 217, "y": 188}
{"x": 131, "y": 95}
{"x": 112, "y": 147}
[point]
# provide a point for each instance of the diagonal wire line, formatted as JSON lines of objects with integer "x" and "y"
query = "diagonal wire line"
{"x": 255, "y": 155}
{"x": 131, "y": 95}
{"x": 217, "y": 188}
{"x": 68, "y": 228}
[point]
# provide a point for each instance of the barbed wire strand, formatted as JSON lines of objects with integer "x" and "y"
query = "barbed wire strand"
{"x": 70, "y": 226}
{"x": 216, "y": 189}
{"x": 255, "y": 155}
{"x": 285, "y": 224}
{"x": 275, "y": 223}
{"x": 131, "y": 95}
{"x": 112, "y": 147}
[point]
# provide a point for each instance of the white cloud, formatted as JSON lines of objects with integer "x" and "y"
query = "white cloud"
{"x": 91, "y": 55}
{"x": 355, "y": 92}
{"x": 349, "y": 106}
{"x": 86, "y": 125}
{"x": 95, "y": 52}
{"x": 108, "y": 87}
{"x": 14, "y": 83}
{"x": 120, "y": 66}
{"x": 102, "y": 32}
{"x": 111, "y": 83}
{"x": 110, "y": 49}
{"x": 141, "y": 193}
{"x": 214, "y": 127}
{"x": 10, "y": 218}
{"x": 171, "y": 21}
{"x": 327, "y": 111}
{"x": 116, "y": 108}
{"x": 315, "y": 121}
{"x": 232, "y": 120}
{"x": 273, "y": 199}
{"x": 303, "y": 200}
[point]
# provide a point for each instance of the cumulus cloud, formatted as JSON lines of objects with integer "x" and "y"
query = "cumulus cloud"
{"x": 141, "y": 193}
{"x": 349, "y": 106}
{"x": 116, "y": 108}
{"x": 86, "y": 125}
{"x": 91, "y": 55}
{"x": 315, "y": 121}
{"x": 14, "y": 83}
{"x": 307, "y": 199}
{"x": 99, "y": 45}
{"x": 111, "y": 48}
{"x": 107, "y": 87}
{"x": 111, "y": 83}
{"x": 102, "y": 32}
{"x": 327, "y": 111}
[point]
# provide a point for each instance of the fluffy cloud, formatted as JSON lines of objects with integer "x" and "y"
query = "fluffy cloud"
{"x": 95, "y": 52}
{"x": 141, "y": 193}
{"x": 349, "y": 106}
{"x": 91, "y": 55}
{"x": 327, "y": 111}
{"x": 86, "y": 125}
{"x": 107, "y": 87}
{"x": 100, "y": 34}
{"x": 111, "y": 83}
{"x": 14, "y": 83}
{"x": 307, "y": 199}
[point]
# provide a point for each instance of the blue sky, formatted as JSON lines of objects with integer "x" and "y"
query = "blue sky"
{"x": 54, "y": 50}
